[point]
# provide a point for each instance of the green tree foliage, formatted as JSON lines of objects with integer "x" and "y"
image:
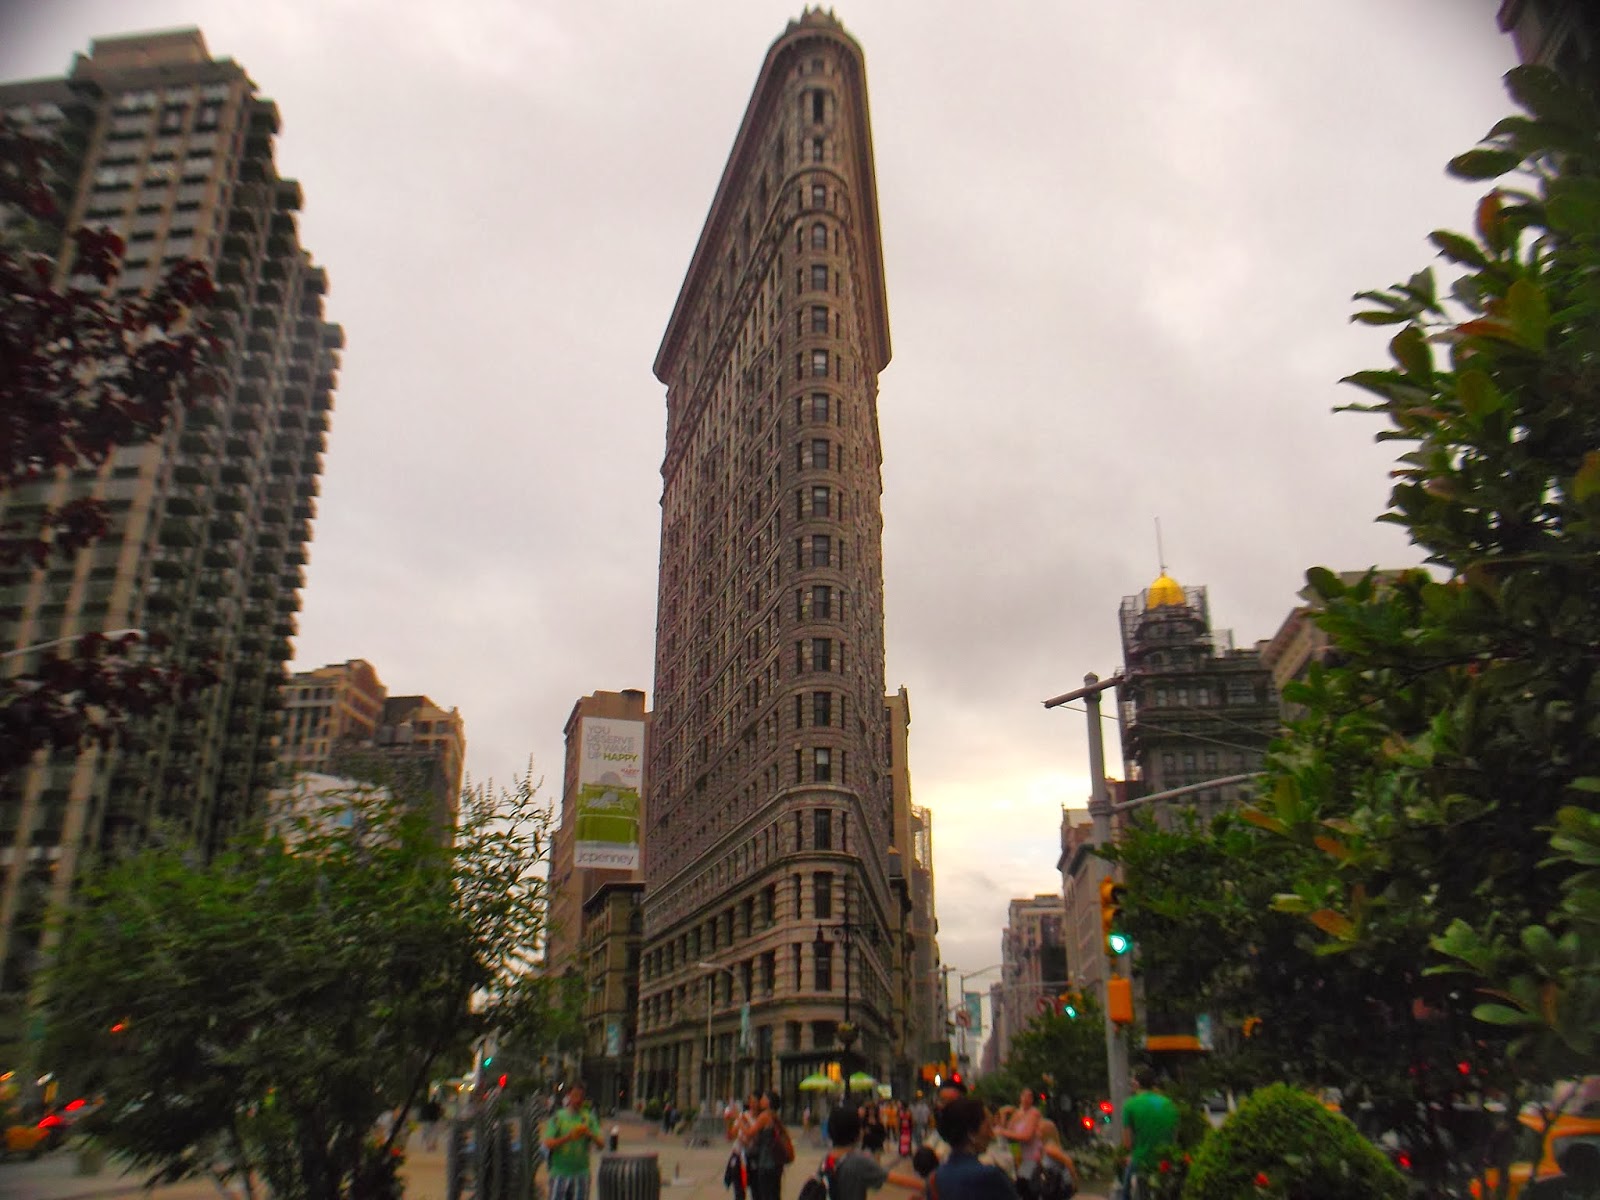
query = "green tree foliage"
{"x": 83, "y": 371}
{"x": 1059, "y": 1056}
{"x": 1460, "y": 729}
{"x": 1428, "y": 825}
{"x": 1283, "y": 1144}
{"x": 253, "y": 1015}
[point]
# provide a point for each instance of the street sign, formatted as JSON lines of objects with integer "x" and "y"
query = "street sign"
{"x": 963, "y": 1019}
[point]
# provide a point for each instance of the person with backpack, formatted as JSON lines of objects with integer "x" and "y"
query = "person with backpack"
{"x": 965, "y": 1126}
{"x": 850, "y": 1172}
{"x": 770, "y": 1150}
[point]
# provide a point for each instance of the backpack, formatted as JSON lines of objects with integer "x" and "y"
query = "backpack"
{"x": 820, "y": 1185}
{"x": 782, "y": 1143}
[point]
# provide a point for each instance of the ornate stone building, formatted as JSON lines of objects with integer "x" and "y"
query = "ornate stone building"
{"x": 769, "y": 908}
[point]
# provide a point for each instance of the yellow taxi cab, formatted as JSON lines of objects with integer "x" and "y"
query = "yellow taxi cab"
{"x": 26, "y": 1139}
{"x": 1561, "y": 1134}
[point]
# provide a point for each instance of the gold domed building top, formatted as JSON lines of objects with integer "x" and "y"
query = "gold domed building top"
{"x": 1163, "y": 592}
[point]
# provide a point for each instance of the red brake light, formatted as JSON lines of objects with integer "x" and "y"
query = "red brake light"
{"x": 50, "y": 1121}
{"x": 1404, "y": 1160}
{"x": 76, "y": 1105}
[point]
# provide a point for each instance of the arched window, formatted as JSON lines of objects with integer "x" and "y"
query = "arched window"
{"x": 819, "y": 236}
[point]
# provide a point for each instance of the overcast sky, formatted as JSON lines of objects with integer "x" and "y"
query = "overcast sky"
{"x": 1120, "y": 241}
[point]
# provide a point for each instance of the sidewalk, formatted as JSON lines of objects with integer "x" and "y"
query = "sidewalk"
{"x": 687, "y": 1173}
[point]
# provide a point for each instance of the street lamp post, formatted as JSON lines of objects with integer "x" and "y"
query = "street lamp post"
{"x": 110, "y": 635}
{"x": 1100, "y": 810}
{"x": 705, "y": 1087}
{"x": 846, "y": 934}
{"x": 961, "y": 1001}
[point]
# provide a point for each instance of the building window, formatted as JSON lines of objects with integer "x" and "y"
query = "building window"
{"x": 819, "y": 320}
{"x": 821, "y": 550}
{"x": 819, "y": 407}
{"x": 1161, "y": 697}
{"x": 1202, "y": 695}
{"x": 819, "y": 236}
{"x": 819, "y": 277}
{"x": 822, "y": 765}
{"x": 819, "y": 105}
{"x": 819, "y": 363}
{"x": 821, "y": 603}
{"x": 822, "y": 708}
{"x": 819, "y": 453}
{"x": 822, "y": 654}
{"x": 820, "y": 495}
{"x": 822, "y": 895}
{"x": 1188, "y": 762}
{"x": 822, "y": 961}
{"x": 817, "y": 150}
{"x": 822, "y": 833}
{"x": 819, "y": 196}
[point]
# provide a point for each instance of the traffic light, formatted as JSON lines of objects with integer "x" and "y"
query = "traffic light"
{"x": 1112, "y": 894}
{"x": 1119, "y": 1000}
{"x": 1069, "y": 1004}
{"x": 1106, "y": 1109}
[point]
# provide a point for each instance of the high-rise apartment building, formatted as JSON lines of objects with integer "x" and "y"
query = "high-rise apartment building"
{"x": 770, "y": 822}
{"x": 173, "y": 149}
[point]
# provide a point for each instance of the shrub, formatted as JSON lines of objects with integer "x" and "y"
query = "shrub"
{"x": 652, "y": 1109}
{"x": 1284, "y": 1144}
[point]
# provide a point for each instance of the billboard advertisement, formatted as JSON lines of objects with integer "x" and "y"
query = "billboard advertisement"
{"x": 610, "y": 776}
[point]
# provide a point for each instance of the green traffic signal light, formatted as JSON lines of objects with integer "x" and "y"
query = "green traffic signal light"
{"x": 1118, "y": 942}
{"x": 1071, "y": 1011}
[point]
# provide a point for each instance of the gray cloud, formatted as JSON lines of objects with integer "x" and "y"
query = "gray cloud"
{"x": 1120, "y": 243}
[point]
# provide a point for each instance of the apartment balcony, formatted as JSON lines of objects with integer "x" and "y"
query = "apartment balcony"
{"x": 198, "y": 442}
{"x": 168, "y": 569}
{"x": 183, "y": 503}
{"x": 180, "y": 531}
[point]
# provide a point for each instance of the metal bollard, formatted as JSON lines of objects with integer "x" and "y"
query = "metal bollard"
{"x": 629, "y": 1177}
{"x": 611, "y": 1142}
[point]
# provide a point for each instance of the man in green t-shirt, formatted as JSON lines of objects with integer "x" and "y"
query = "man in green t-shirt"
{"x": 1149, "y": 1122}
{"x": 567, "y": 1137}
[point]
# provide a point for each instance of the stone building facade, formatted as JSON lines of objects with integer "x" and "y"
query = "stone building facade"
{"x": 767, "y": 836}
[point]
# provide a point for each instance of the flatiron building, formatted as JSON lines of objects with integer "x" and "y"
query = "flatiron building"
{"x": 771, "y": 897}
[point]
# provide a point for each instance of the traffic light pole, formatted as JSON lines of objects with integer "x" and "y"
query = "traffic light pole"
{"x": 1100, "y": 809}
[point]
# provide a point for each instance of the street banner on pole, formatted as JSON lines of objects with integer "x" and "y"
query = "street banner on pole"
{"x": 973, "y": 1003}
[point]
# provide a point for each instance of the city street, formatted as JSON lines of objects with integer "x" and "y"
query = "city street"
{"x": 687, "y": 1173}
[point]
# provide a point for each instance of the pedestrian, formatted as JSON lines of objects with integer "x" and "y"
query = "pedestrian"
{"x": 964, "y": 1125}
{"x": 1149, "y": 1122}
{"x": 669, "y": 1117}
{"x": 568, "y": 1135}
{"x": 948, "y": 1091}
{"x": 1022, "y": 1130}
{"x": 771, "y": 1150}
{"x": 850, "y": 1171}
{"x": 920, "y": 1115}
{"x": 737, "y": 1173}
{"x": 432, "y": 1113}
{"x": 1058, "y": 1173}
